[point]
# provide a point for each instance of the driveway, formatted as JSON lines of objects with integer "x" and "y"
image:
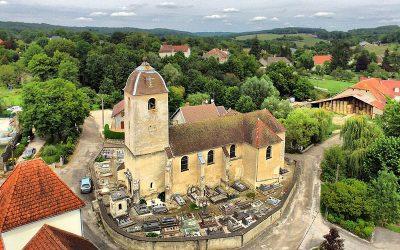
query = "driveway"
{"x": 89, "y": 145}
{"x": 302, "y": 226}
{"x": 37, "y": 143}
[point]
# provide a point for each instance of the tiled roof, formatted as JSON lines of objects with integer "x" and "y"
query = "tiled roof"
{"x": 33, "y": 192}
{"x": 201, "y": 112}
{"x": 1, "y": 244}
{"x": 320, "y": 59}
{"x": 220, "y": 54}
{"x": 51, "y": 238}
{"x": 392, "y": 85}
{"x": 166, "y": 48}
{"x": 273, "y": 59}
{"x": 258, "y": 128}
{"x": 118, "y": 108}
{"x": 144, "y": 80}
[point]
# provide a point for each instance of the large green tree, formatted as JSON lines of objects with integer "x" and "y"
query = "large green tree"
{"x": 390, "y": 119}
{"x": 42, "y": 67}
{"x": 259, "y": 89}
{"x": 55, "y": 108}
{"x": 279, "y": 108}
{"x": 340, "y": 54}
{"x": 245, "y": 104}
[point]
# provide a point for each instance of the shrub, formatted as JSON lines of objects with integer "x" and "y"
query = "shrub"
{"x": 193, "y": 206}
{"x": 251, "y": 195}
{"x": 112, "y": 134}
{"x": 100, "y": 158}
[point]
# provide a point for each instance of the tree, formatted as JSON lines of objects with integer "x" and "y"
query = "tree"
{"x": 348, "y": 198}
{"x": 363, "y": 60}
{"x": 384, "y": 153}
{"x": 390, "y": 120}
{"x": 68, "y": 70}
{"x": 279, "y": 108}
{"x": 385, "y": 197}
{"x": 325, "y": 125}
{"x": 300, "y": 126}
{"x": 32, "y": 50}
{"x": 9, "y": 75}
{"x": 175, "y": 98}
{"x": 62, "y": 45}
{"x": 332, "y": 240}
{"x": 245, "y": 104}
{"x": 198, "y": 98}
{"x": 55, "y": 108}
{"x": 42, "y": 66}
{"x": 232, "y": 95}
{"x": 283, "y": 76}
{"x": 259, "y": 89}
{"x": 255, "y": 48}
{"x": 303, "y": 89}
{"x": 305, "y": 60}
{"x": 171, "y": 73}
{"x": 334, "y": 163}
{"x": 340, "y": 54}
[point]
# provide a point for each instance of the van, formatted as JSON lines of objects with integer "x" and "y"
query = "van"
{"x": 86, "y": 185}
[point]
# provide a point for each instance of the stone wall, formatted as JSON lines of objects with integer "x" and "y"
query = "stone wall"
{"x": 227, "y": 241}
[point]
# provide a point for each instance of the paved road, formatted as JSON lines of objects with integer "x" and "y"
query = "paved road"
{"x": 89, "y": 144}
{"x": 302, "y": 226}
{"x": 37, "y": 143}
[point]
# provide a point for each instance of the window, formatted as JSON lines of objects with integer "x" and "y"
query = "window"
{"x": 268, "y": 153}
{"x": 232, "y": 151}
{"x": 120, "y": 206}
{"x": 151, "y": 184}
{"x": 151, "y": 104}
{"x": 122, "y": 125}
{"x": 210, "y": 157}
{"x": 184, "y": 164}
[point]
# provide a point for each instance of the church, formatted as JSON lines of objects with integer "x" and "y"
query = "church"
{"x": 161, "y": 158}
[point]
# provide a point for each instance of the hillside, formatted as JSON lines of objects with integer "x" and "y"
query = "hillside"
{"x": 299, "y": 39}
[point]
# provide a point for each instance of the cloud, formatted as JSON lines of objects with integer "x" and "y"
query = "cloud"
{"x": 123, "y": 13}
{"x": 168, "y": 5}
{"x": 133, "y": 6}
{"x": 2, "y": 2}
{"x": 275, "y": 19}
{"x": 98, "y": 13}
{"x": 299, "y": 16}
{"x": 230, "y": 10}
{"x": 215, "y": 17}
{"x": 84, "y": 19}
{"x": 323, "y": 14}
{"x": 258, "y": 18}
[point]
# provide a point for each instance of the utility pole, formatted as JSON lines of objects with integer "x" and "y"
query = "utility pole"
{"x": 102, "y": 111}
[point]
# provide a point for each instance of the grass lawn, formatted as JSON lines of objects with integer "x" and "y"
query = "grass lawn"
{"x": 11, "y": 98}
{"x": 332, "y": 86}
{"x": 379, "y": 50}
{"x": 307, "y": 38}
{"x": 394, "y": 228}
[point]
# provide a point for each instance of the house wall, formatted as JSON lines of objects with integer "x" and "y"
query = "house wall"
{"x": 178, "y": 118}
{"x": 17, "y": 238}
{"x": 116, "y": 122}
{"x": 165, "y": 54}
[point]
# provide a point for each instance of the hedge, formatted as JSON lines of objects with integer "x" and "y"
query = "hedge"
{"x": 108, "y": 134}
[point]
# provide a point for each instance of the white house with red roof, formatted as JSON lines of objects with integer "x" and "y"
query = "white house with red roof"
{"x": 32, "y": 196}
{"x": 368, "y": 97}
{"x": 221, "y": 55}
{"x": 170, "y": 50}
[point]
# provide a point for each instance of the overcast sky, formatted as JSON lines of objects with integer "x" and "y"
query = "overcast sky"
{"x": 206, "y": 15}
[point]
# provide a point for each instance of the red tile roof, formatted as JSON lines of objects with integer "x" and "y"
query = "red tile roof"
{"x": 1, "y": 243}
{"x": 33, "y": 192}
{"x": 199, "y": 112}
{"x": 392, "y": 85}
{"x": 320, "y": 59}
{"x": 50, "y": 238}
{"x": 222, "y": 55}
{"x": 118, "y": 108}
{"x": 166, "y": 48}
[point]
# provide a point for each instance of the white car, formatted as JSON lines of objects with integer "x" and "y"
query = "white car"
{"x": 14, "y": 109}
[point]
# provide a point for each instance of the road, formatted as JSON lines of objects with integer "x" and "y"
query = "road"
{"x": 302, "y": 226}
{"x": 90, "y": 142}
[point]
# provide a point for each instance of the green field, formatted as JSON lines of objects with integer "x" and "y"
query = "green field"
{"x": 308, "y": 39}
{"x": 11, "y": 98}
{"x": 332, "y": 86}
{"x": 379, "y": 50}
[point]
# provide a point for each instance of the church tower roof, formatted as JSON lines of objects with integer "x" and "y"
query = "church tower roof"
{"x": 145, "y": 80}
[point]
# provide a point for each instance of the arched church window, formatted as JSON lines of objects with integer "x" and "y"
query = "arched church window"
{"x": 184, "y": 163}
{"x": 268, "y": 153}
{"x": 151, "y": 104}
{"x": 232, "y": 151}
{"x": 210, "y": 157}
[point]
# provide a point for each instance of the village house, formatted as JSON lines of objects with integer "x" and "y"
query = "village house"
{"x": 2, "y": 42}
{"x": 273, "y": 59}
{"x": 170, "y": 50}
{"x": 117, "y": 116}
{"x": 163, "y": 160}
{"x": 221, "y": 55}
{"x": 365, "y": 97}
{"x": 32, "y": 196}
{"x": 49, "y": 237}
{"x": 321, "y": 59}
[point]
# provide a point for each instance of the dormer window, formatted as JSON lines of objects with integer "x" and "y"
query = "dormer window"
{"x": 151, "y": 104}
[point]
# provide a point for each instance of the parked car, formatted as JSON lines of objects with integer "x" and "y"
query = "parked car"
{"x": 28, "y": 153}
{"x": 86, "y": 185}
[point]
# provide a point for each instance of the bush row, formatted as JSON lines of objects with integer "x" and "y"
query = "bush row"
{"x": 361, "y": 228}
{"x": 108, "y": 134}
{"x": 51, "y": 153}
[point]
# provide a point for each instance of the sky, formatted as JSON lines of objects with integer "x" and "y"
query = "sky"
{"x": 206, "y": 15}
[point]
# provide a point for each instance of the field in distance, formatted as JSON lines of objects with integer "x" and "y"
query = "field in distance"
{"x": 299, "y": 39}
